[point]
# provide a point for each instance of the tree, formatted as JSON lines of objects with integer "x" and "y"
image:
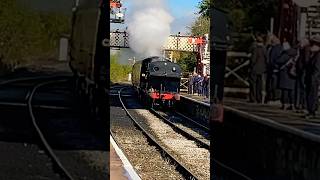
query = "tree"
{"x": 28, "y": 35}
{"x": 187, "y": 61}
{"x": 201, "y": 26}
{"x": 249, "y": 15}
{"x": 204, "y": 7}
{"x": 118, "y": 72}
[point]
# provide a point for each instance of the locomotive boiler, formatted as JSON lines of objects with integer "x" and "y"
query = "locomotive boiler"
{"x": 157, "y": 81}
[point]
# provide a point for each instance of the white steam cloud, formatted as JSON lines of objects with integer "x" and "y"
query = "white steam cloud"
{"x": 148, "y": 26}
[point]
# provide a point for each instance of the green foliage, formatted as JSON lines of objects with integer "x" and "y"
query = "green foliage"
{"x": 118, "y": 72}
{"x": 201, "y": 26}
{"x": 186, "y": 60}
{"x": 204, "y": 7}
{"x": 28, "y": 35}
{"x": 249, "y": 15}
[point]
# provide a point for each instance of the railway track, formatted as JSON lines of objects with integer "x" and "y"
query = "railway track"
{"x": 192, "y": 132}
{"x": 33, "y": 95}
{"x": 189, "y": 132}
{"x": 181, "y": 167}
{"x": 29, "y": 97}
{"x": 198, "y": 133}
{"x": 66, "y": 174}
{"x": 185, "y": 171}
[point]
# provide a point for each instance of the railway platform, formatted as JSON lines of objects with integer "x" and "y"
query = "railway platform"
{"x": 270, "y": 143}
{"x": 120, "y": 167}
{"x": 263, "y": 141}
{"x": 196, "y": 97}
{"x": 273, "y": 112}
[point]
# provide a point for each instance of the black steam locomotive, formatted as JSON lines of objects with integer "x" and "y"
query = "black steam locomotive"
{"x": 157, "y": 81}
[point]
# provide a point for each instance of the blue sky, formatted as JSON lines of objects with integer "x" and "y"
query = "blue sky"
{"x": 183, "y": 12}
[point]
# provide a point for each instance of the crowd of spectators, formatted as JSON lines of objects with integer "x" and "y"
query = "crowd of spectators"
{"x": 199, "y": 85}
{"x": 291, "y": 73}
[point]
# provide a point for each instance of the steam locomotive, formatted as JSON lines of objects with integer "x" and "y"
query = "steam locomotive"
{"x": 157, "y": 81}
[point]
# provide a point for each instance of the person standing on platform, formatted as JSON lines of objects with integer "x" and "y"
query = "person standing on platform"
{"x": 194, "y": 81}
{"x": 190, "y": 84}
{"x": 271, "y": 84}
{"x": 286, "y": 81}
{"x": 257, "y": 71}
{"x": 313, "y": 78}
{"x": 304, "y": 54}
{"x": 204, "y": 85}
{"x": 200, "y": 83}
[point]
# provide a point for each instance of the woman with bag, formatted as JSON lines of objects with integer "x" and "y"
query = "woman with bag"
{"x": 286, "y": 83}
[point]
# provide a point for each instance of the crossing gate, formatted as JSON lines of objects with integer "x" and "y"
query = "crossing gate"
{"x": 184, "y": 84}
{"x": 237, "y": 69}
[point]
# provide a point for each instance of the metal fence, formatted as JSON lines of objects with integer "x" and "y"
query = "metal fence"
{"x": 236, "y": 75}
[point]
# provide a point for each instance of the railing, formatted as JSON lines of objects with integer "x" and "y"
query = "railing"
{"x": 237, "y": 70}
{"x": 184, "y": 84}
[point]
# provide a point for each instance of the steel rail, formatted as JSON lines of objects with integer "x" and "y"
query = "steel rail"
{"x": 179, "y": 166}
{"x": 193, "y": 121}
{"x": 28, "y": 79}
{"x": 180, "y": 130}
{"x": 197, "y": 140}
{"x": 43, "y": 139}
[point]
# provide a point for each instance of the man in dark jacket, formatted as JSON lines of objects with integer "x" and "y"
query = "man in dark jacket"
{"x": 257, "y": 71}
{"x": 304, "y": 54}
{"x": 274, "y": 54}
{"x": 190, "y": 84}
{"x": 313, "y": 78}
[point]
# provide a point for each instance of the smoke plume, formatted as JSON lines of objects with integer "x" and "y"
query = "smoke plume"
{"x": 148, "y": 27}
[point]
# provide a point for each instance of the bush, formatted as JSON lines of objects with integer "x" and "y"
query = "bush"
{"x": 118, "y": 72}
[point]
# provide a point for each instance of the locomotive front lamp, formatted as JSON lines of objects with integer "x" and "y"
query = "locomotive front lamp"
{"x": 174, "y": 69}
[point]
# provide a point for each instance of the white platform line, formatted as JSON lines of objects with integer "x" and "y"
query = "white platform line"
{"x": 126, "y": 164}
